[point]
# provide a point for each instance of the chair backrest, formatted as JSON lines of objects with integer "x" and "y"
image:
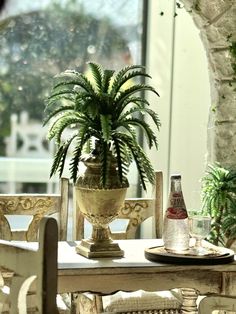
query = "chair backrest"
{"x": 28, "y": 265}
{"x": 37, "y": 206}
{"x": 136, "y": 211}
{"x": 27, "y": 138}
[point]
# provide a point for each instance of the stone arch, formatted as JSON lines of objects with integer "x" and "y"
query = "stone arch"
{"x": 216, "y": 20}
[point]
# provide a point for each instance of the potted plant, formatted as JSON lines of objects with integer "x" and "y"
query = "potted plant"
{"x": 105, "y": 109}
{"x": 219, "y": 200}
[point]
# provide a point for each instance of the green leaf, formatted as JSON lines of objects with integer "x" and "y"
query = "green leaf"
{"x": 123, "y": 95}
{"x": 55, "y": 112}
{"x": 107, "y": 76}
{"x": 97, "y": 74}
{"x": 106, "y": 127}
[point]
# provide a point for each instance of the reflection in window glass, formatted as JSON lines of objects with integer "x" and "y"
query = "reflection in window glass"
{"x": 39, "y": 39}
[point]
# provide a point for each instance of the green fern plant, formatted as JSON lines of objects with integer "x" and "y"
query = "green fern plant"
{"x": 219, "y": 200}
{"x": 105, "y": 107}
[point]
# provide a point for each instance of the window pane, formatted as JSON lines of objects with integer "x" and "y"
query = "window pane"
{"x": 39, "y": 39}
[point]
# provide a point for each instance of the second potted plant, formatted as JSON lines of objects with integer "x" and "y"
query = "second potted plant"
{"x": 104, "y": 109}
{"x": 219, "y": 201}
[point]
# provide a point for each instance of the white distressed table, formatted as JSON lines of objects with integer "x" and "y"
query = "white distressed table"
{"x": 134, "y": 272}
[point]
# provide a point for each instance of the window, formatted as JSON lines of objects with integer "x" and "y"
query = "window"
{"x": 39, "y": 39}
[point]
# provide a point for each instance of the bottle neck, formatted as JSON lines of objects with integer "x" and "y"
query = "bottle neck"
{"x": 176, "y": 199}
{"x": 176, "y": 185}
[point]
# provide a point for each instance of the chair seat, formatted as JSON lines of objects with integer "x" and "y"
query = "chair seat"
{"x": 141, "y": 300}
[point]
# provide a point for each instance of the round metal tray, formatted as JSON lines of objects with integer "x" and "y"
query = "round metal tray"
{"x": 217, "y": 255}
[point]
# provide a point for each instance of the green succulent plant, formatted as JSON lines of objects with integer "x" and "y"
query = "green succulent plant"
{"x": 219, "y": 200}
{"x": 109, "y": 107}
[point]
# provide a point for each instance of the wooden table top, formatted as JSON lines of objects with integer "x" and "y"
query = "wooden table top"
{"x": 134, "y": 271}
{"x": 68, "y": 259}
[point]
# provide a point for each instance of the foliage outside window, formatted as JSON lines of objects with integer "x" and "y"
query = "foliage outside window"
{"x": 39, "y": 39}
{"x": 39, "y": 43}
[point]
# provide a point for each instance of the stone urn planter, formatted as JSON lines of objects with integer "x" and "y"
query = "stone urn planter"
{"x": 100, "y": 207}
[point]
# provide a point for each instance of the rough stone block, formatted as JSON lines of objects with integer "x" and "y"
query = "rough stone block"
{"x": 218, "y": 32}
{"x": 211, "y": 9}
{"x": 225, "y": 109}
{"x": 222, "y": 63}
{"x": 225, "y": 143}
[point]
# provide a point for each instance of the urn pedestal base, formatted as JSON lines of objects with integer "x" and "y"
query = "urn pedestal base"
{"x": 92, "y": 249}
{"x": 99, "y": 245}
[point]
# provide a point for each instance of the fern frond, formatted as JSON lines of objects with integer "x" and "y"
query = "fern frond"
{"x": 145, "y": 127}
{"x": 97, "y": 74}
{"x": 56, "y": 160}
{"x": 63, "y": 156}
{"x": 70, "y": 97}
{"x": 121, "y": 157}
{"x": 106, "y": 80}
{"x": 82, "y": 138}
{"x": 59, "y": 94}
{"x": 123, "y": 95}
{"x": 120, "y": 74}
{"x": 75, "y": 162}
{"x": 61, "y": 123}
{"x": 56, "y": 112}
{"x": 154, "y": 116}
{"x": 144, "y": 166}
{"x": 117, "y": 86}
{"x": 80, "y": 82}
{"x": 106, "y": 127}
{"x": 105, "y": 165}
{"x": 138, "y": 102}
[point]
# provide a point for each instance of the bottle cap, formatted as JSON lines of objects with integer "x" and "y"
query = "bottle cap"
{"x": 176, "y": 176}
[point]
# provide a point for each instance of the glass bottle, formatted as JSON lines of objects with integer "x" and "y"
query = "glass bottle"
{"x": 176, "y": 225}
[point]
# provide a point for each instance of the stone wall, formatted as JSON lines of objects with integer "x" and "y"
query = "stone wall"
{"x": 216, "y": 20}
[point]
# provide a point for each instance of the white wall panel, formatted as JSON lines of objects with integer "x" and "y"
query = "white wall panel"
{"x": 177, "y": 62}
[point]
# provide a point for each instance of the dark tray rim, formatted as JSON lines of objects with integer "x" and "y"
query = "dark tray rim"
{"x": 189, "y": 259}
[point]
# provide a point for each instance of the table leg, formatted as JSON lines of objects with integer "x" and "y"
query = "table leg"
{"x": 189, "y": 305}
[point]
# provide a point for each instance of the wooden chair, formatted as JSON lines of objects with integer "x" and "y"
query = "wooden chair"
{"x": 136, "y": 210}
{"x": 27, "y": 139}
{"x": 221, "y": 303}
{"x": 29, "y": 265}
{"x": 37, "y": 206}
